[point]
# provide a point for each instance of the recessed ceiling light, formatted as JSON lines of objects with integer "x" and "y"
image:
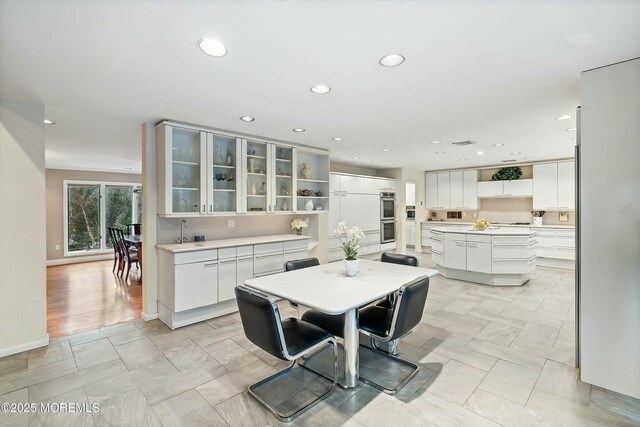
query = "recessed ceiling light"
{"x": 298, "y": 130}
{"x": 570, "y": 130}
{"x": 49, "y": 122}
{"x": 436, "y": 142}
{"x": 337, "y": 138}
{"x": 573, "y": 138}
{"x": 320, "y": 89}
{"x": 355, "y": 158}
{"x": 564, "y": 117}
{"x": 463, "y": 159}
{"x": 128, "y": 169}
{"x": 479, "y": 153}
{"x": 386, "y": 149}
{"x": 212, "y": 47}
{"x": 388, "y": 164}
{"x": 498, "y": 145}
{"x": 247, "y": 119}
{"x": 439, "y": 152}
{"x": 391, "y": 60}
{"x": 375, "y": 161}
{"x": 516, "y": 153}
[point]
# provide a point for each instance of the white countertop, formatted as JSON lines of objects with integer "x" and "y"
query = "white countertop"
{"x": 328, "y": 289}
{"x": 489, "y": 232}
{"x": 228, "y": 243}
{"x": 500, "y": 225}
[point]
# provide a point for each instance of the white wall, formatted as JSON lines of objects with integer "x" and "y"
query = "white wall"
{"x": 610, "y": 250}
{"x": 23, "y": 312}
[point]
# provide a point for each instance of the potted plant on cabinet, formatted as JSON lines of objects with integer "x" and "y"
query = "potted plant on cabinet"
{"x": 299, "y": 224}
{"x": 350, "y": 241}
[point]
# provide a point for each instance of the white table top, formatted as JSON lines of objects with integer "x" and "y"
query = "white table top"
{"x": 327, "y": 288}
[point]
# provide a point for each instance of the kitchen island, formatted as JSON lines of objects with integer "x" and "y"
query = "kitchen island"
{"x": 496, "y": 256}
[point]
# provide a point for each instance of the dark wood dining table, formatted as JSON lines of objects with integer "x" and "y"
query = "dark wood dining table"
{"x": 136, "y": 240}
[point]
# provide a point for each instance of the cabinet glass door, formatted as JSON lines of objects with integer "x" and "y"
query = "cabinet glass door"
{"x": 185, "y": 166}
{"x": 256, "y": 176}
{"x": 223, "y": 179}
{"x": 283, "y": 179}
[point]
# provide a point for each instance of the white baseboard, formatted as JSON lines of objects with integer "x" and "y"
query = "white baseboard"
{"x": 24, "y": 347}
{"x": 75, "y": 260}
{"x": 146, "y": 317}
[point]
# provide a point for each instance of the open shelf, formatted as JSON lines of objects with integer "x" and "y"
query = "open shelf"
{"x": 283, "y": 176}
{"x": 311, "y": 197}
{"x": 223, "y": 189}
{"x": 254, "y": 156}
{"x": 181, "y": 162}
{"x": 256, "y": 174}
{"x": 186, "y": 188}
{"x": 283, "y": 160}
{"x": 223, "y": 167}
{"x": 256, "y": 195}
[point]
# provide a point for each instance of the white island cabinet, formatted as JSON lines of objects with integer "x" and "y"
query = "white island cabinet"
{"x": 197, "y": 281}
{"x": 499, "y": 257}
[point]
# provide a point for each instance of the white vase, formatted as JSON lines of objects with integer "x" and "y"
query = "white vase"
{"x": 308, "y": 206}
{"x": 537, "y": 220}
{"x": 351, "y": 267}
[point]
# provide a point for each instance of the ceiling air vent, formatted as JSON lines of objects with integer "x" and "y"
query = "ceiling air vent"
{"x": 509, "y": 161}
{"x": 463, "y": 143}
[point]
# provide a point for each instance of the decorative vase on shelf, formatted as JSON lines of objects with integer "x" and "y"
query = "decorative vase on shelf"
{"x": 252, "y": 163}
{"x": 308, "y": 206}
{"x": 253, "y": 189}
{"x": 229, "y": 159}
{"x": 351, "y": 267}
{"x": 299, "y": 231}
{"x": 305, "y": 172}
{"x": 218, "y": 159}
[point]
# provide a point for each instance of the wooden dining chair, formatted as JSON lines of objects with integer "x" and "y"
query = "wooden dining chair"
{"x": 128, "y": 255}
{"x": 135, "y": 228}
{"x": 116, "y": 249}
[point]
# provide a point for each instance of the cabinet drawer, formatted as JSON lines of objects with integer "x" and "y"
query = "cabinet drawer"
{"x": 268, "y": 248}
{"x": 226, "y": 253}
{"x": 454, "y": 237}
{"x": 436, "y": 235}
{"x": 291, "y": 256}
{"x": 373, "y": 238}
{"x": 244, "y": 251}
{"x": 227, "y": 279}
{"x": 517, "y": 240}
{"x": 546, "y": 242}
{"x": 296, "y": 245}
{"x": 436, "y": 257}
{"x": 426, "y": 241}
{"x": 196, "y": 285}
{"x": 513, "y": 266}
{"x": 566, "y": 242}
{"x": 478, "y": 238}
{"x": 268, "y": 263}
{"x": 544, "y": 232}
{"x": 565, "y": 253}
{"x": 334, "y": 243}
{"x": 196, "y": 256}
{"x": 565, "y": 232}
{"x": 513, "y": 251}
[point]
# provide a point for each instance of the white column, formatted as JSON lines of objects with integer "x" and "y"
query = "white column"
{"x": 149, "y": 222}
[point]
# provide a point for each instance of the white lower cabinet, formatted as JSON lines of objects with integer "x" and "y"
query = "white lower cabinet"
{"x": 198, "y": 284}
{"x": 479, "y": 257}
{"x": 455, "y": 251}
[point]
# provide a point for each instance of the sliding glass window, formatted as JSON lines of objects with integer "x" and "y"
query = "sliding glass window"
{"x": 91, "y": 207}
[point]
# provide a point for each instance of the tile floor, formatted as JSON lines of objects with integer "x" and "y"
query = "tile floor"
{"x": 488, "y": 356}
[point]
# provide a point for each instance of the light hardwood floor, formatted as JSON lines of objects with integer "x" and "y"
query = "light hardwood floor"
{"x": 88, "y": 295}
{"x": 488, "y": 357}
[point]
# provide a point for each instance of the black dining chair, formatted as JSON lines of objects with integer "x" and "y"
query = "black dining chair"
{"x": 298, "y": 264}
{"x": 135, "y": 228}
{"x": 400, "y": 259}
{"x": 116, "y": 250}
{"x": 128, "y": 255}
{"x": 288, "y": 339}
{"x": 383, "y": 324}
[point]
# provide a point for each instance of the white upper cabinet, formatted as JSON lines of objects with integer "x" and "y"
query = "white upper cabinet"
{"x": 257, "y": 164}
{"x": 518, "y": 188}
{"x": 443, "y": 190}
{"x": 470, "y": 189}
{"x": 223, "y": 175}
{"x": 456, "y": 190}
{"x": 432, "y": 191}
{"x": 491, "y": 189}
{"x": 410, "y": 192}
{"x": 566, "y": 185}
{"x": 545, "y": 186}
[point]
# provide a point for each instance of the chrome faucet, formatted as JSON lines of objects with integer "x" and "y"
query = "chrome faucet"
{"x": 182, "y": 238}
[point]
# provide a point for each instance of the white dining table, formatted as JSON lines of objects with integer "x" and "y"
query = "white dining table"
{"x": 327, "y": 288}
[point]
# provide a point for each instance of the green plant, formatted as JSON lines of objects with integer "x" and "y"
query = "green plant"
{"x": 507, "y": 174}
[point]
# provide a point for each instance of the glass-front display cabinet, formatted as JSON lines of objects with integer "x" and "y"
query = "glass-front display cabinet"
{"x": 181, "y": 152}
{"x": 223, "y": 175}
{"x": 283, "y": 189}
{"x": 256, "y": 172}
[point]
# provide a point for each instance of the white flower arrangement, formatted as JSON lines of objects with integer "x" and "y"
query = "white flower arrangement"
{"x": 298, "y": 224}
{"x": 350, "y": 240}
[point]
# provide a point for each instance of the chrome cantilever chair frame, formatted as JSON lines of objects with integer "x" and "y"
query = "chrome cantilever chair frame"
{"x": 293, "y": 358}
{"x": 384, "y": 353}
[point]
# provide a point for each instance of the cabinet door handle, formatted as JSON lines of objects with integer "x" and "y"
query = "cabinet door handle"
{"x": 204, "y": 209}
{"x": 210, "y": 208}
{"x": 472, "y": 245}
{"x": 460, "y": 244}
{"x": 266, "y": 255}
{"x": 228, "y": 261}
{"x": 211, "y": 264}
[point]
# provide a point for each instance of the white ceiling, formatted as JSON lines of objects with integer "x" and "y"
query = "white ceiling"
{"x": 490, "y": 71}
